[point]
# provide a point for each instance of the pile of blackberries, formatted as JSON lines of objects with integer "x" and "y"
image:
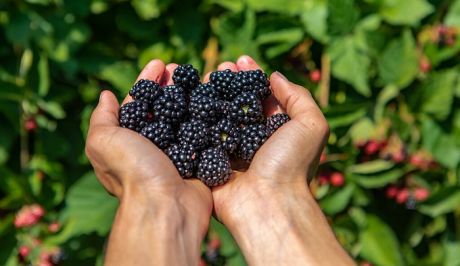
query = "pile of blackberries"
{"x": 200, "y": 126}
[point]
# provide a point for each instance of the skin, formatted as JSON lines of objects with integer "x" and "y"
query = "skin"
{"x": 267, "y": 207}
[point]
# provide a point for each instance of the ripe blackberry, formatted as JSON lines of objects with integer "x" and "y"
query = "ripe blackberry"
{"x": 225, "y": 134}
{"x": 160, "y": 133}
{"x": 246, "y": 108}
{"x": 214, "y": 167}
{"x": 134, "y": 115}
{"x": 251, "y": 138}
{"x": 194, "y": 132}
{"x": 206, "y": 89}
{"x": 171, "y": 106}
{"x": 186, "y": 76}
{"x": 254, "y": 81}
{"x": 276, "y": 121}
{"x": 205, "y": 108}
{"x": 184, "y": 158}
{"x": 222, "y": 80}
{"x": 145, "y": 90}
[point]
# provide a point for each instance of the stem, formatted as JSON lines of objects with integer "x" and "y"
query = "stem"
{"x": 325, "y": 81}
{"x": 24, "y": 142}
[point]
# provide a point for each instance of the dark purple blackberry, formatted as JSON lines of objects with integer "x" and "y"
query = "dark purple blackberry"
{"x": 145, "y": 90}
{"x": 225, "y": 134}
{"x": 134, "y": 115}
{"x": 160, "y": 133}
{"x": 276, "y": 121}
{"x": 251, "y": 138}
{"x": 214, "y": 167}
{"x": 194, "y": 132}
{"x": 208, "y": 90}
{"x": 186, "y": 77}
{"x": 205, "y": 108}
{"x": 246, "y": 108}
{"x": 222, "y": 80}
{"x": 184, "y": 157}
{"x": 254, "y": 81}
{"x": 171, "y": 106}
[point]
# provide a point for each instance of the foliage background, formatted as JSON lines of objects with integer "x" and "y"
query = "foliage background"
{"x": 389, "y": 74}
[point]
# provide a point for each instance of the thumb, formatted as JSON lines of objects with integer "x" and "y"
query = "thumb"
{"x": 106, "y": 112}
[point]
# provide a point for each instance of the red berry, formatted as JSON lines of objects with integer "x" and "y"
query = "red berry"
{"x": 399, "y": 157}
{"x": 421, "y": 194}
{"x": 402, "y": 196}
{"x": 324, "y": 179}
{"x": 337, "y": 179}
{"x": 214, "y": 244}
{"x": 392, "y": 191}
{"x": 315, "y": 76}
{"x": 54, "y": 227}
{"x": 30, "y": 124}
{"x": 424, "y": 65}
{"x": 28, "y": 215}
{"x": 24, "y": 251}
{"x": 372, "y": 147}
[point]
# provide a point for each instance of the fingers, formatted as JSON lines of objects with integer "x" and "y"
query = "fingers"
{"x": 168, "y": 74}
{"x": 245, "y": 63}
{"x": 106, "y": 112}
{"x": 153, "y": 71}
{"x": 272, "y": 106}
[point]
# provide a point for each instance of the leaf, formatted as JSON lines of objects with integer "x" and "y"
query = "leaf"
{"x": 146, "y": 9}
{"x": 378, "y": 180}
{"x": 232, "y": 5}
{"x": 338, "y": 201}
{"x": 342, "y": 16}
{"x": 156, "y": 51}
{"x": 436, "y": 94}
{"x": 44, "y": 75}
{"x": 398, "y": 65}
{"x": 405, "y": 12}
{"x": 314, "y": 19}
{"x": 52, "y": 108}
{"x": 121, "y": 74}
{"x": 362, "y": 130}
{"x": 452, "y": 17}
{"x": 452, "y": 256}
{"x": 388, "y": 93}
{"x": 287, "y": 38}
{"x": 370, "y": 167}
{"x": 350, "y": 63}
{"x": 379, "y": 243}
{"x": 287, "y": 7}
{"x": 441, "y": 202}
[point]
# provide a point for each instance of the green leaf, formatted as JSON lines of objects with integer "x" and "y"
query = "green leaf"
{"x": 314, "y": 19}
{"x": 441, "y": 202}
{"x": 452, "y": 256}
{"x": 52, "y": 108}
{"x": 350, "y": 63}
{"x": 405, "y": 12}
{"x": 89, "y": 208}
{"x": 453, "y": 15}
{"x": 340, "y": 116}
{"x": 379, "y": 244}
{"x": 388, "y": 93}
{"x": 147, "y": 9}
{"x": 156, "y": 51}
{"x": 287, "y": 7}
{"x": 287, "y": 38}
{"x": 44, "y": 75}
{"x": 437, "y": 93}
{"x": 121, "y": 74}
{"x": 232, "y": 5}
{"x": 378, "y": 180}
{"x": 370, "y": 167}
{"x": 336, "y": 202}
{"x": 342, "y": 16}
{"x": 362, "y": 130}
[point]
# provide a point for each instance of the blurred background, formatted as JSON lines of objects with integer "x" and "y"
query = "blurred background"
{"x": 385, "y": 72}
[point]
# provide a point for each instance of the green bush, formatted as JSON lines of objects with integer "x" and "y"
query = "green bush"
{"x": 385, "y": 72}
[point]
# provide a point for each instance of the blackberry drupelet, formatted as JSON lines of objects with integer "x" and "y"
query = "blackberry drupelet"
{"x": 171, "y": 106}
{"x": 160, "y": 133}
{"x": 208, "y": 90}
{"x": 222, "y": 80}
{"x": 184, "y": 157}
{"x": 205, "y": 108}
{"x": 194, "y": 132}
{"x": 245, "y": 109}
{"x": 251, "y": 138}
{"x": 186, "y": 76}
{"x": 145, "y": 90}
{"x": 225, "y": 134}
{"x": 276, "y": 121}
{"x": 254, "y": 81}
{"x": 134, "y": 115}
{"x": 214, "y": 167}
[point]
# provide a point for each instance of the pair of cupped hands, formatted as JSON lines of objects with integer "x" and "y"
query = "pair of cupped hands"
{"x": 133, "y": 169}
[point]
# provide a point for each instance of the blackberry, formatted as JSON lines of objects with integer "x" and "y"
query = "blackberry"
{"x": 194, "y": 132}
{"x": 134, "y": 115}
{"x": 246, "y": 108}
{"x": 205, "y": 108}
{"x": 251, "y": 138}
{"x": 214, "y": 167}
{"x": 276, "y": 121}
{"x": 145, "y": 90}
{"x": 186, "y": 76}
{"x": 225, "y": 134}
{"x": 171, "y": 106}
{"x": 222, "y": 80}
{"x": 159, "y": 133}
{"x": 208, "y": 90}
{"x": 254, "y": 81}
{"x": 184, "y": 158}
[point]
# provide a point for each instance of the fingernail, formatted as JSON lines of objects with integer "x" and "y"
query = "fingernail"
{"x": 245, "y": 58}
{"x": 281, "y": 75}
{"x": 100, "y": 95}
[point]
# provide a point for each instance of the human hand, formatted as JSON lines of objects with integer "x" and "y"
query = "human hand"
{"x": 148, "y": 185}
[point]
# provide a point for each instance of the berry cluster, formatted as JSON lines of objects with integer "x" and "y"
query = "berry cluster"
{"x": 200, "y": 126}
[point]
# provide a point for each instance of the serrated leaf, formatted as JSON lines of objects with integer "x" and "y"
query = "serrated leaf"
{"x": 314, "y": 19}
{"x": 398, "y": 64}
{"x": 342, "y": 16}
{"x": 350, "y": 63}
{"x": 436, "y": 94}
{"x": 405, "y": 12}
{"x": 441, "y": 202}
{"x": 379, "y": 243}
{"x": 370, "y": 167}
{"x": 336, "y": 202}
